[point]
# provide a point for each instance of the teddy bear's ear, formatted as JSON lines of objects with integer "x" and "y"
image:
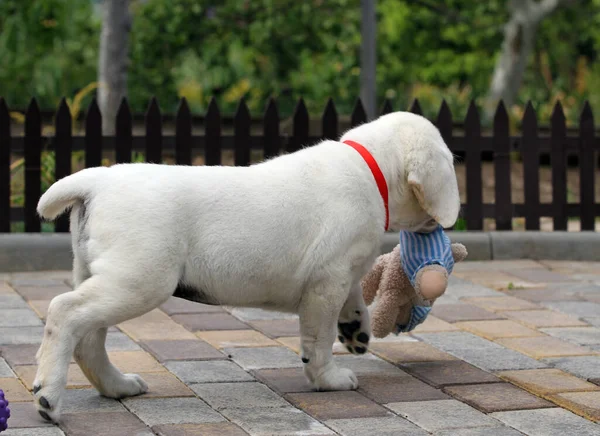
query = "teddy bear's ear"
{"x": 459, "y": 252}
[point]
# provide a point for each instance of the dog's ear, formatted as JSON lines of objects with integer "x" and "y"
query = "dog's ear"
{"x": 434, "y": 184}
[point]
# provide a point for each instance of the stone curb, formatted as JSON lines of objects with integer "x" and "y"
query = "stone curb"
{"x": 50, "y": 251}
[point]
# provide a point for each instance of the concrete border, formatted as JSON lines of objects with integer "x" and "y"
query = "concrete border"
{"x": 49, "y": 251}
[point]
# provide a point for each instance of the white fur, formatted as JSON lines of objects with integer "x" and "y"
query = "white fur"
{"x": 295, "y": 233}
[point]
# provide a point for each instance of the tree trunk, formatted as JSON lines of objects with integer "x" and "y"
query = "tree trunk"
{"x": 519, "y": 39}
{"x": 112, "y": 65}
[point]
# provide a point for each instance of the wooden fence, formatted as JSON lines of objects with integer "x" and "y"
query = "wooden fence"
{"x": 470, "y": 143}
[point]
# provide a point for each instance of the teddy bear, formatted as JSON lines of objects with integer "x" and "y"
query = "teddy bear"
{"x": 404, "y": 284}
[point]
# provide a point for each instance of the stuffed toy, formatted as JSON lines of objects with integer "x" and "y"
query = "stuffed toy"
{"x": 4, "y": 412}
{"x": 405, "y": 283}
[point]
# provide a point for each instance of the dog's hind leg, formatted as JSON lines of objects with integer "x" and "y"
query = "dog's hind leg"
{"x": 319, "y": 311}
{"x": 98, "y": 303}
{"x": 354, "y": 325}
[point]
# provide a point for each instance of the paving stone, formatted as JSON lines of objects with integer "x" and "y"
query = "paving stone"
{"x": 155, "y": 411}
{"x": 155, "y": 325}
{"x": 211, "y": 371}
{"x": 595, "y": 321}
{"x": 12, "y": 301}
{"x": 238, "y": 395}
{"x": 499, "y": 304}
{"x": 544, "y": 346}
{"x": 42, "y": 292}
{"x": 544, "y": 318}
{"x": 481, "y": 431}
{"x": 480, "y": 352}
{"x": 251, "y": 314}
{"x": 164, "y": 384}
{"x": 89, "y": 400}
{"x": 281, "y": 421}
{"x": 6, "y": 289}
{"x": 495, "y": 329}
{"x": 434, "y": 324}
{"x": 19, "y": 318}
{"x": 496, "y": 397}
{"x": 194, "y": 349}
{"x": 462, "y": 312}
{"x": 393, "y": 388}
{"x": 405, "y": 352}
{"x": 5, "y": 370}
{"x": 336, "y": 405}
{"x": 403, "y": 337}
{"x": 24, "y": 415}
{"x": 540, "y": 275}
{"x": 36, "y": 431}
{"x": 384, "y": 426}
{"x": 111, "y": 423}
{"x": 367, "y": 364}
{"x": 547, "y": 381}
{"x": 461, "y": 288}
{"x": 209, "y": 321}
{"x": 236, "y": 338}
{"x": 578, "y": 309}
{"x": 212, "y": 429}
{"x": 19, "y": 354}
{"x": 546, "y": 294}
{"x": 577, "y": 335}
{"x": 278, "y": 327}
{"x": 586, "y": 404}
{"x": 117, "y": 341}
{"x": 284, "y": 380}
{"x": 264, "y": 357}
{"x": 21, "y": 335}
{"x": 40, "y": 307}
{"x": 442, "y": 414}
{"x": 14, "y": 390}
{"x": 75, "y": 378}
{"x": 20, "y": 280}
{"x": 444, "y": 373}
{"x": 586, "y": 367}
{"x": 548, "y": 422}
{"x": 178, "y": 305}
{"x": 134, "y": 361}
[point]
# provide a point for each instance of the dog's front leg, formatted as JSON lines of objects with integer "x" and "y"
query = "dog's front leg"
{"x": 319, "y": 311}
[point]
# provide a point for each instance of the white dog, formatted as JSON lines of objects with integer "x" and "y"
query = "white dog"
{"x": 295, "y": 233}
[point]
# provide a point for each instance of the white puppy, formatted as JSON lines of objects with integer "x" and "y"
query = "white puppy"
{"x": 295, "y": 233}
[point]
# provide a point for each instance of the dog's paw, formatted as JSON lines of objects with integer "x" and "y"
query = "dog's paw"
{"x": 47, "y": 401}
{"x": 336, "y": 379}
{"x": 126, "y": 385}
{"x": 353, "y": 336}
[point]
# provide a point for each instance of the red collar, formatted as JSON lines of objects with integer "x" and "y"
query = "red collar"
{"x": 377, "y": 174}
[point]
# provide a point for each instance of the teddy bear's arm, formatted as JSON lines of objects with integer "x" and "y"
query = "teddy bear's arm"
{"x": 370, "y": 282}
{"x": 384, "y": 316}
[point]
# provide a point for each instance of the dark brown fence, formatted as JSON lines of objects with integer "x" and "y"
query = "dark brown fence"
{"x": 469, "y": 143}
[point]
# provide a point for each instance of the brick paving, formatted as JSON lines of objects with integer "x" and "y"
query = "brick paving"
{"x": 512, "y": 348}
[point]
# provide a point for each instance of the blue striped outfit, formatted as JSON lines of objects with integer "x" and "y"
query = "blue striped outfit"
{"x": 418, "y": 250}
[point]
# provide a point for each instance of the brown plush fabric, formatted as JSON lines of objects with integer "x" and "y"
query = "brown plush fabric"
{"x": 395, "y": 294}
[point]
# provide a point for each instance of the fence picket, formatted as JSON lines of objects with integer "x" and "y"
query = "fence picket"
{"x": 473, "y": 169}
{"x": 63, "y": 145}
{"x": 387, "y": 107}
{"x": 123, "y": 140}
{"x": 212, "y": 153}
{"x": 587, "y": 168}
{"x": 241, "y": 126}
{"x": 4, "y": 167}
{"x": 502, "y": 186}
{"x": 359, "y": 116}
{"x": 330, "y": 121}
{"x": 33, "y": 159}
{"x": 93, "y": 136}
{"x": 530, "y": 153}
{"x": 183, "y": 134}
{"x": 444, "y": 123}
{"x": 415, "y": 107}
{"x": 558, "y": 157}
{"x": 271, "y": 130}
{"x": 301, "y": 128}
{"x": 153, "y": 121}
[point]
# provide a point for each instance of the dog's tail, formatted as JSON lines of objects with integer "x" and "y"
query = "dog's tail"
{"x": 66, "y": 192}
